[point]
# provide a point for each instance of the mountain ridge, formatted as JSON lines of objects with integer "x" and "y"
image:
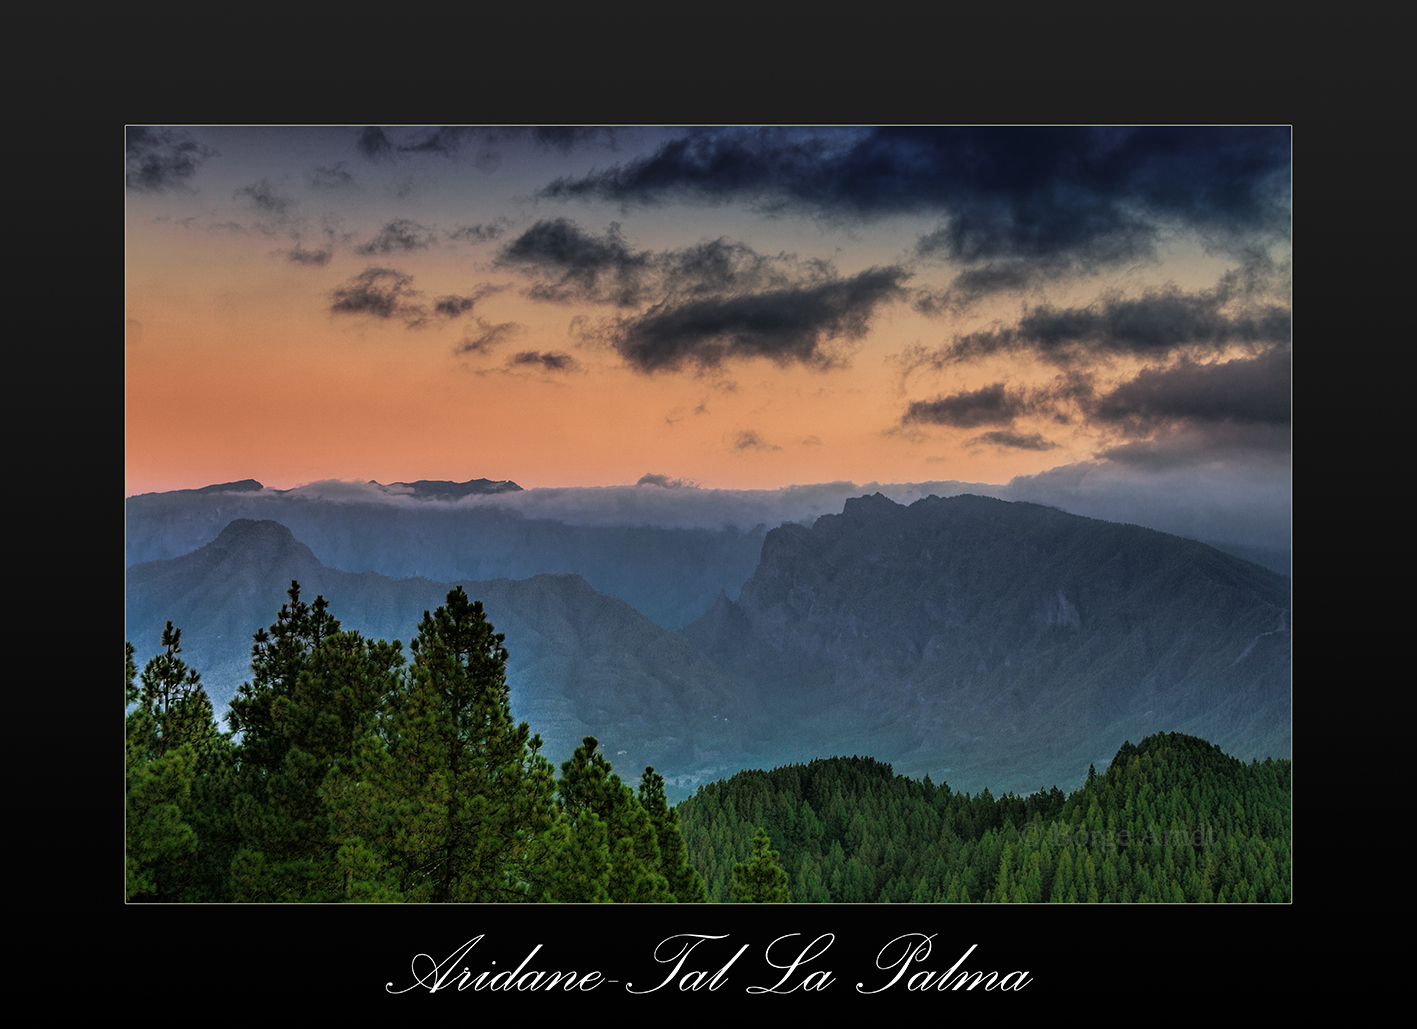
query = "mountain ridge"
{"x": 582, "y": 662}
{"x": 977, "y": 640}
{"x": 966, "y": 621}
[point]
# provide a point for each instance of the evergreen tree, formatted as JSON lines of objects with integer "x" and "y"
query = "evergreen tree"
{"x": 313, "y": 698}
{"x": 468, "y": 795}
{"x": 599, "y": 806}
{"x": 684, "y": 882}
{"x": 174, "y": 702}
{"x": 174, "y": 753}
{"x": 761, "y": 880}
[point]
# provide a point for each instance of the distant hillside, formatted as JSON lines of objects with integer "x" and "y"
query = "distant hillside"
{"x": 669, "y": 575}
{"x": 582, "y": 663}
{"x": 1005, "y": 643}
{"x": 1171, "y": 819}
{"x": 983, "y": 642}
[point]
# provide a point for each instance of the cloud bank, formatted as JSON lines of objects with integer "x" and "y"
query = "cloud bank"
{"x": 1231, "y": 501}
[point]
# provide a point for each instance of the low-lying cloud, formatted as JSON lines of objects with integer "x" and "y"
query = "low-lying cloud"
{"x": 1240, "y": 499}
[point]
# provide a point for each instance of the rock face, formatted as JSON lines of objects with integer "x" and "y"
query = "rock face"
{"x": 978, "y": 632}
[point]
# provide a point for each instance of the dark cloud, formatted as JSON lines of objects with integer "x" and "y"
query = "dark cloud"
{"x": 1094, "y": 194}
{"x": 1245, "y": 390}
{"x": 1008, "y": 439}
{"x": 399, "y": 235}
{"x": 989, "y": 405}
{"x": 1159, "y": 323}
{"x": 1013, "y": 275}
{"x": 748, "y": 439}
{"x": 381, "y": 292}
{"x": 712, "y": 165}
{"x": 487, "y": 336}
{"x": 578, "y": 266}
{"x": 453, "y": 306}
{"x": 162, "y": 159}
{"x": 791, "y": 325}
{"x": 1201, "y": 446}
{"x": 575, "y": 265}
{"x": 374, "y": 144}
{"x": 548, "y": 361}
{"x": 436, "y": 141}
{"x": 331, "y": 178}
{"x": 1185, "y": 399}
{"x": 300, "y": 255}
{"x": 482, "y": 233}
{"x": 714, "y": 301}
{"x": 267, "y": 200}
{"x": 723, "y": 266}
{"x": 567, "y": 138}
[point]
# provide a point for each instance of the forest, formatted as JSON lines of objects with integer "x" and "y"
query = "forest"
{"x": 1172, "y": 819}
{"x": 354, "y": 772}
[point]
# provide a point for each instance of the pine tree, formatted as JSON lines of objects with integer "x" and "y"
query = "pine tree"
{"x": 761, "y": 880}
{"x": 598, "y": 805}
{"x": 172, "y": 697}
{"x": 469, "y": 796}
{"x": 684, "y": 882}
{"x": 313, "y": 698}
{"x": 155, "y": 790}
{"x": 174, "y": 754}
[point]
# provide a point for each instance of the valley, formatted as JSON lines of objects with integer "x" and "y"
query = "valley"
{"x": 982, "y": 642}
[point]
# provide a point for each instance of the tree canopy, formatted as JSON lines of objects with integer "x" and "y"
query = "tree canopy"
{"x": 356, "y": 774}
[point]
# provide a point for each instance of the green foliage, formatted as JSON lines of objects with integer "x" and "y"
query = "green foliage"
{"x": 761, "y": 880}
{"x": 464, "y": 788}
{"x": 313, "y": 696}
{"x": 359, "y": 777}
{"x": 684, "y": 881}
{"x": 603, "y": 811}
{"x": 175, "y": 764}
{"x": 1173, "y": 818}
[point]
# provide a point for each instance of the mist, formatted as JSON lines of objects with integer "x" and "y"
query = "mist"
{"x": 1242, "y": 504}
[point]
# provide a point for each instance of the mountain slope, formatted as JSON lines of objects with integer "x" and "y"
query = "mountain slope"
{"x": 582, "y": 663}
{"x": 1006, "y": 641}
{"x": 983, "y": 642}
{"x": 669, "y": 575}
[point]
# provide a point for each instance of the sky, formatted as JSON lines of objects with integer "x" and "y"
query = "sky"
{"x": 1101, "y": 314}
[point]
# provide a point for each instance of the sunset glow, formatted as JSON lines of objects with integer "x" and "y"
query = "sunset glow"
{"x": 737, "y": 309}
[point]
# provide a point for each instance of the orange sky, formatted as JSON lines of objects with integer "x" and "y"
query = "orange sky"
{"x": 415, "y": 303}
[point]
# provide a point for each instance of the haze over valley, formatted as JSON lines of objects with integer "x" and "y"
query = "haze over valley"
{"x": 985, "y": 643}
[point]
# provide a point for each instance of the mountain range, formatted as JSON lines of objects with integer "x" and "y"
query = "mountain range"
{"x": 671, "y": 575}
{"x": 982, "y": 642}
